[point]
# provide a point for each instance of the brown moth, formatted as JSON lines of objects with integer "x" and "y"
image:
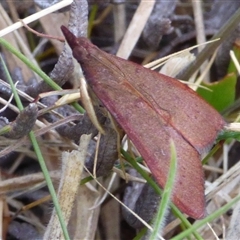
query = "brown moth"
{"x": 152, "y": 109}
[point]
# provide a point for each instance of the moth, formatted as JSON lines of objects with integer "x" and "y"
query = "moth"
{"x": 152, "y": 109}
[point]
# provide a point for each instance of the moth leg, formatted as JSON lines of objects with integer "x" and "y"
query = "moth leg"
{"x": 107, "y": 152}
{"x": 120, "y": 135}
{"x": 88, "y": 105}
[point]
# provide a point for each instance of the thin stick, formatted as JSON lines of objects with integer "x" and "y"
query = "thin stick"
{"x": 137, "y": 24}
{"x": 61, "y": 39}
{"x": 35, "y": 16}
{"x": 200, "y": 31}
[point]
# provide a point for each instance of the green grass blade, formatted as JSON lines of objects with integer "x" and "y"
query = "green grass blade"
{"x": 150, "y": 181}
{"x": 16, "y": 96}
{"x": 166, "y": 196}
{"x": 49, "y": 184}
{"x": 40, "y": 159}
{"x": 209, "y": 218}
{"x": 37, "y": 70}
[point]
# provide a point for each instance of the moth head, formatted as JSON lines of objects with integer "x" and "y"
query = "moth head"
{"x": 79, "y": 46}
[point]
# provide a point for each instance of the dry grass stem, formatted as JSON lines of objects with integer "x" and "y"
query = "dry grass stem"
{"x": 72, "y": 167}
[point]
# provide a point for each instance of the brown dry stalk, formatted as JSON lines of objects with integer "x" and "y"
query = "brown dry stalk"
{"x": 72, "y": 167}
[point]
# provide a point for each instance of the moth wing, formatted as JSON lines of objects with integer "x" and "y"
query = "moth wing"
{"x": 151, "y": 135}
{"x": 179, "y": 105}
{"x": 152, "y": 109}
